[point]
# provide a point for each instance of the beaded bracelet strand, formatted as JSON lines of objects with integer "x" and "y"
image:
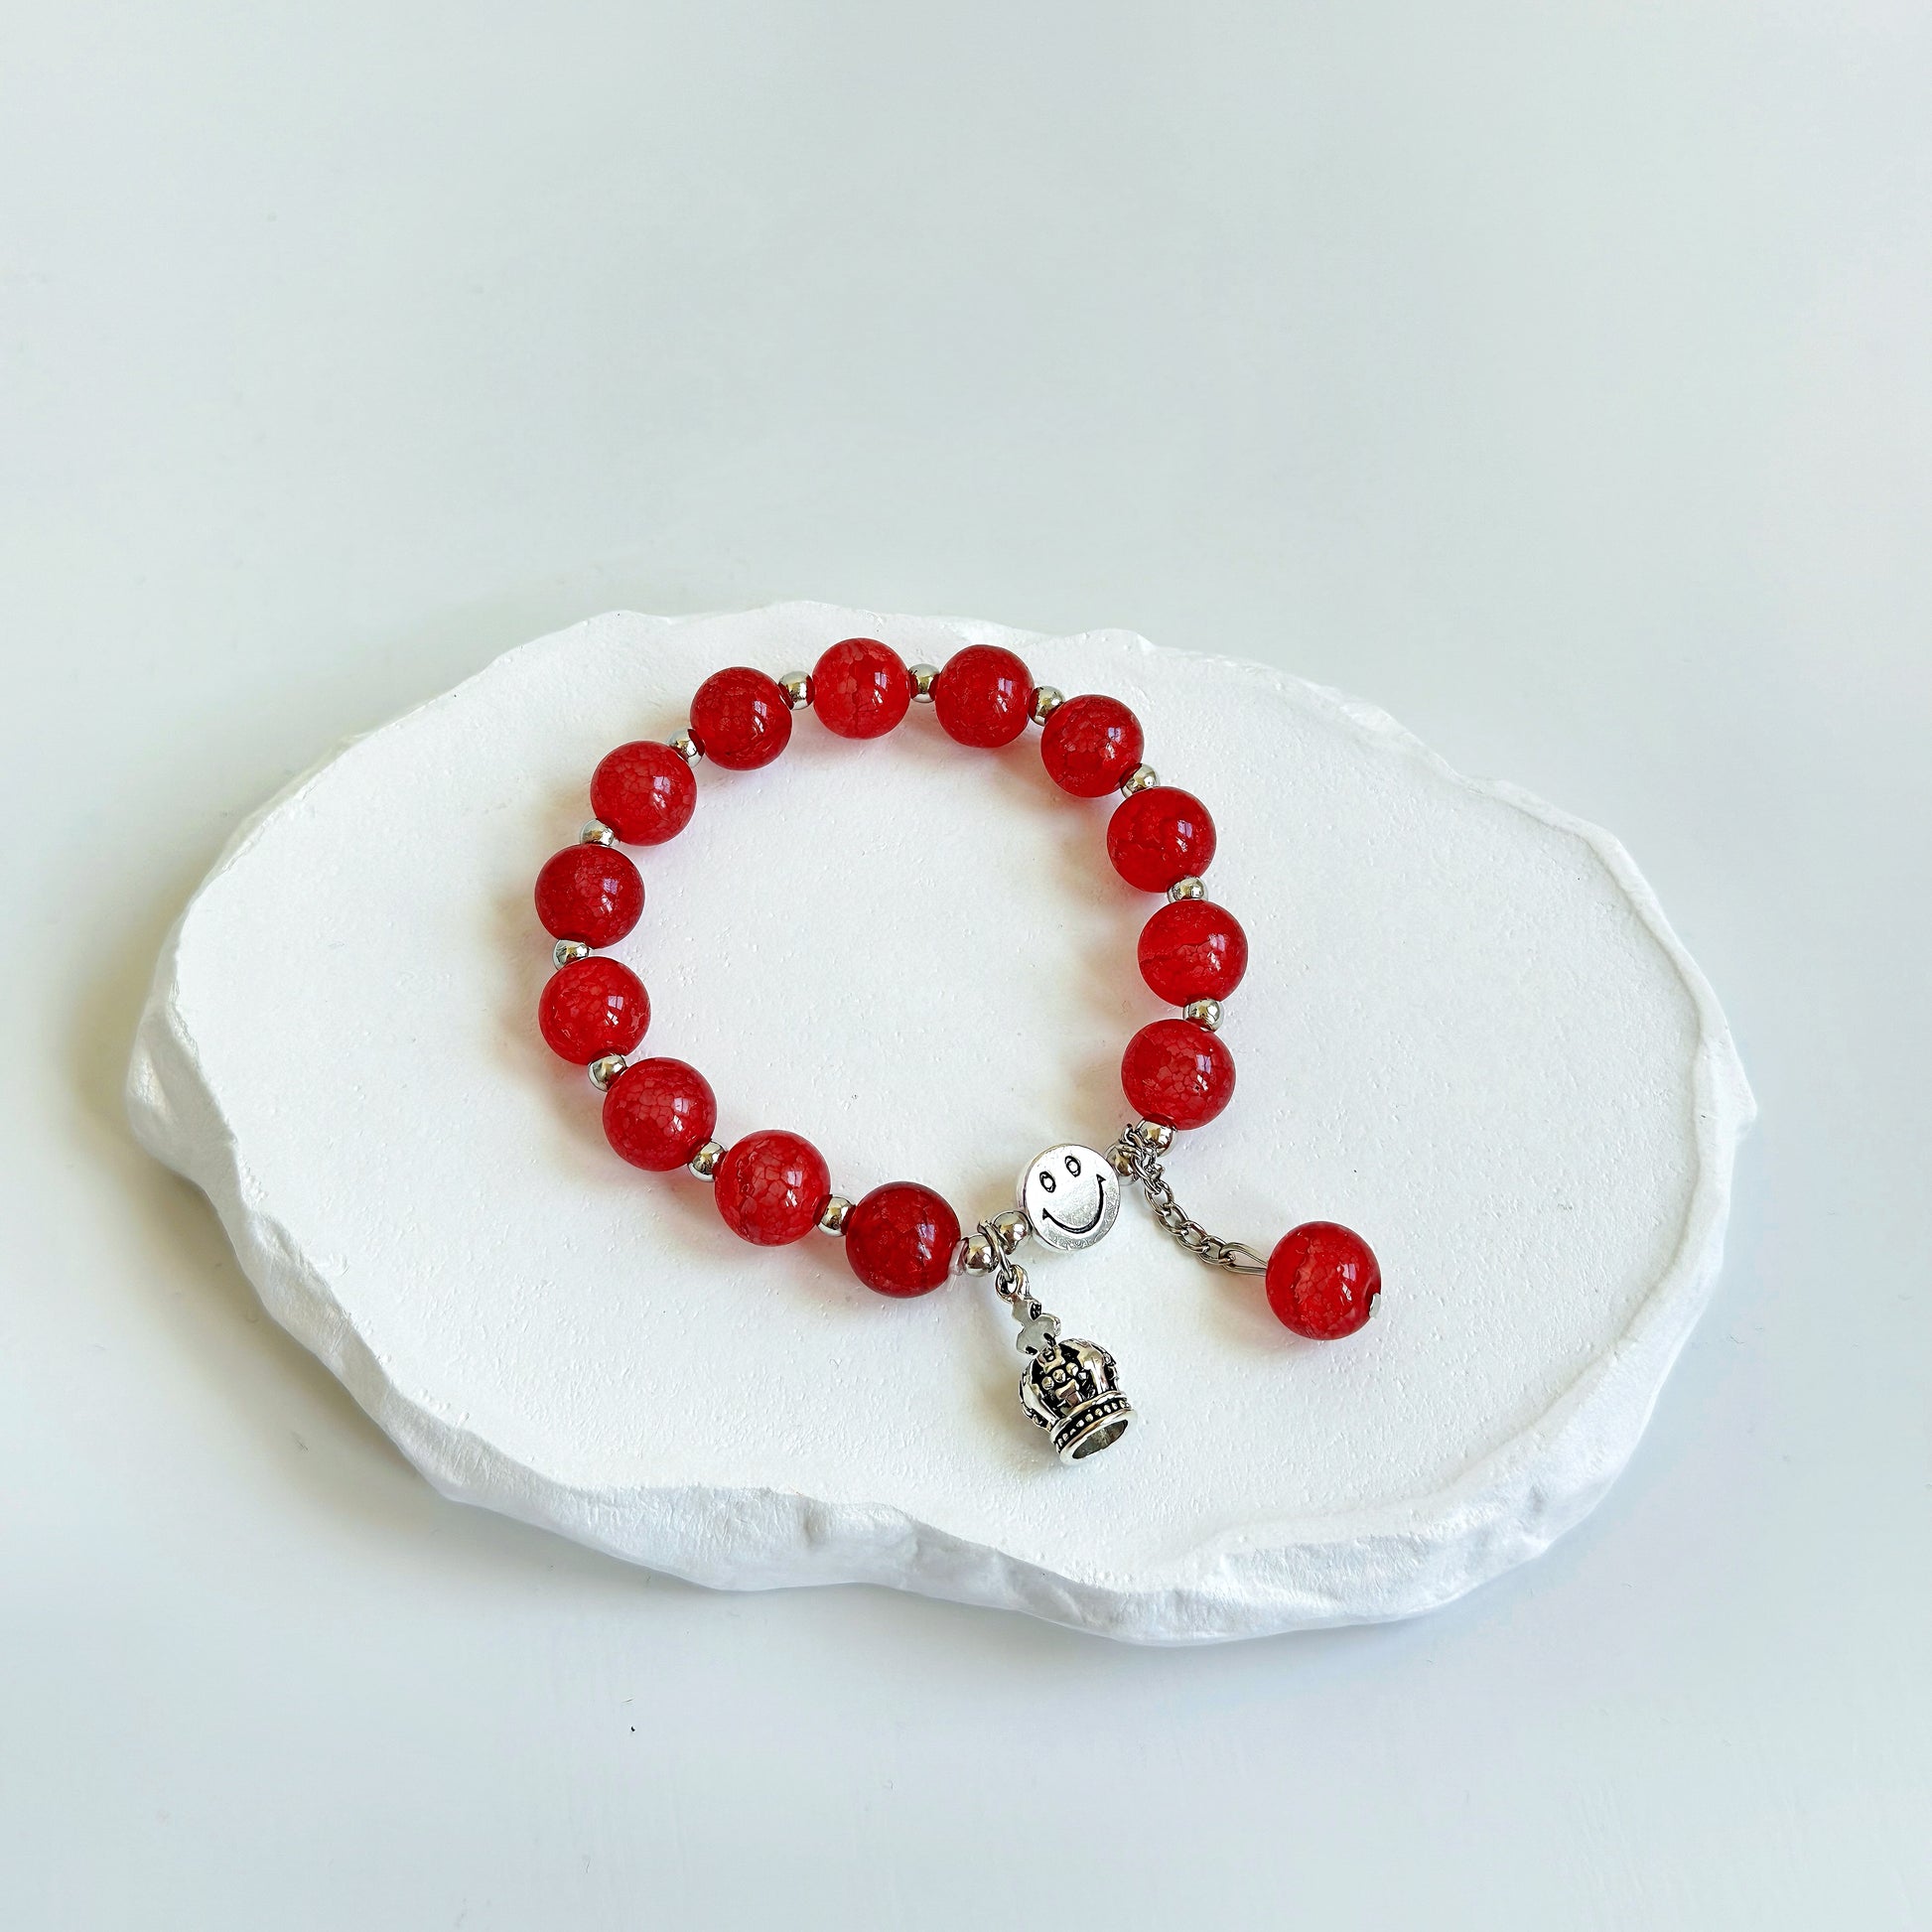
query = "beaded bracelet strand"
{"x": 903, "y": 1240}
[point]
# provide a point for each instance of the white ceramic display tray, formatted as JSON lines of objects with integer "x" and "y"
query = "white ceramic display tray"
{"x": 1466, "y": 1032}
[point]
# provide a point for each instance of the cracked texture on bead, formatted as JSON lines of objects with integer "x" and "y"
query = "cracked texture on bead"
{"x": 771, "y": 1186}
{"x": 592, "y": 1008}
{"x": 590, "y": 894}
{"x": 1158, "y": 836}
{"x": 900, "y": 1238}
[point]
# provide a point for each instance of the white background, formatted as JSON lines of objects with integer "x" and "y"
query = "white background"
{"x": 1555, "y": 377}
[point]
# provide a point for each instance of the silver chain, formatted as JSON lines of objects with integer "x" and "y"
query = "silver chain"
{"x": 1135, "y": 1161}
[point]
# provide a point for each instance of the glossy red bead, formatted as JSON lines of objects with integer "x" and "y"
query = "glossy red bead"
{"x": 1160, "y": 835}
{"x": 1090, "y": 744}
{"x": 658, "y": 1113}
{"x": 861, "y": 688}
{"x": 1322, "y": 1280}
{"x": 589, "y": 893}
{"x": 1192, "y": 950}
{"x": 771, "y": 1188}
{"x": 741, "y": 719}
{"x": 983, "y": 696}
{"x": 643, "y": 793}
{"x": 899, "y": 1239}
{"x": 1177, "y": 1073}
{"x": 592, "y": 1008}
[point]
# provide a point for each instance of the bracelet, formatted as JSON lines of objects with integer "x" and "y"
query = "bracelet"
{"x": 903, "y": 1240}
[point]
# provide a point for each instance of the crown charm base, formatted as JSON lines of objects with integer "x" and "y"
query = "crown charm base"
{"x": 1093, "y": 1427}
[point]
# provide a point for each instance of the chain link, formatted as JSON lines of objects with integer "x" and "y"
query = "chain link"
{"x": 1135, "y": 1161}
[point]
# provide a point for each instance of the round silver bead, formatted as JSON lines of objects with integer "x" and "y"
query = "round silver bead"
{"x": 976, "y": 1255}
{"x": 797, "y": 687}
{"x": 1185, "y": 889}
{"x": 1156, "y": 1134}
{"x": 1204, "y": 1013}
{"x": 566, "y": 952}
{"x": 1045, "y": 702}
{"x": 1138, "y": 779}
{"x": 687, "y": 748}
{"x": 1011, "y": 1228}
{"x": 704, "y": 1163}
{"x": 603, "y": 1072}
{"x": 831, "y": 1218}
{"x": 923, "y": 676}
{"x": 595, "y": 832}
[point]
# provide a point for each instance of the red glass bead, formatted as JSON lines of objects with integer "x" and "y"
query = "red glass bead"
{"x": 592, "y": 1008}
{"x": 741, "y": 719}
{"x": 658, "y": 1113}
{"x": 771, "y": 1188}
{"x": 861, "y": 688}
{"x": 589, "y": 893}
{"x": 643, "y": 793}
{"x": 899, "y": 1239}
{"x": 983, "y": 696}
{"x": 1192, "y": 950}
{"x": 1177, "y": 1073}
{"x": 1322, "y": 1280}
{"x": 1090, "y": 744}
{"x": 1160, "y": 835}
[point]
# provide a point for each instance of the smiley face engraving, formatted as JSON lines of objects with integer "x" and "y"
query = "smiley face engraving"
{"x": 1071, "y": 1197}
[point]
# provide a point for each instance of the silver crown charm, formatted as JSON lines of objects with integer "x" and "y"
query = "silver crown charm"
{"x": 1071, "y": 1389}
{"x": 1068, "y": 1198}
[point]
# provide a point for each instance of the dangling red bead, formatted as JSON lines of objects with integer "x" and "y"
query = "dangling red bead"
{"x": 982, "y": 696}
{"x": 1090, "y": 744}
{"x": 1158, "y": 836}
{"x": 861, "y": 688}
{"x": 741, "y": 719}
{"x": 899, "y": 1239}
{"x": 1176, "y": 1073}
{"x": 658, "y": 1113}
{"x": 1192, "y": 950}
{"x": 771, "y": 1188}
{"x": 591, "y": 1008}
{"x": 1322, "y": 1280}
{"x": 643, "y": 793}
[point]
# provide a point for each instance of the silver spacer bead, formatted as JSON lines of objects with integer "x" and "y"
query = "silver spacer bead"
{"x": 566, "y": 952}
{"x": 797, "y": 687}
{"x": 687, "y": 748}
{"x": 1185, "y": 889}
{"x": 976, "y": 1255}
{"x": 1204, "y": 1013}
{"x": 1011, "y": 1228}
{"x": 1138, "y": 779}
{"x": 1045, "y": 702}
{"x": 831, "y": 1218}
{"x": 704, "y": 1163}
{"x": 603, "y": 1072}
{"x": 923, "y": 676}
{"x": 595, "y": 832}
{"x": 1156, "y": 1134}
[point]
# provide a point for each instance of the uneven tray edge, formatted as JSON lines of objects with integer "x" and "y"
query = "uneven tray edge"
{"x": 1372, "y": 1566}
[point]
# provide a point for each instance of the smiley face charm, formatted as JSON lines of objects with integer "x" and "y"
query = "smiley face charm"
{"x": 1070, "y": 1196}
